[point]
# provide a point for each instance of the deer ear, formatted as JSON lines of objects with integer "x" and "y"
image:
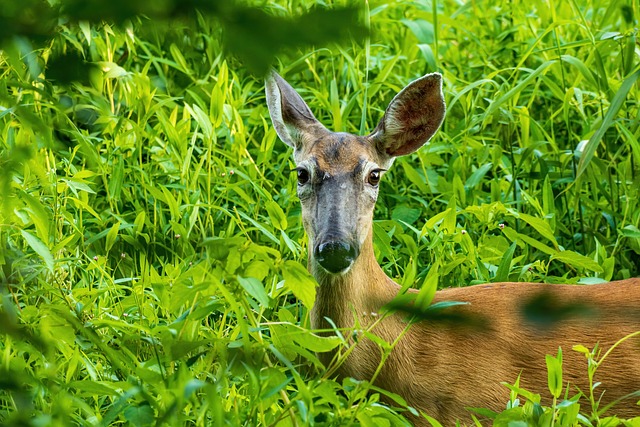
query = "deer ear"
{"x": 412, "y": 117}
{"x": 290, "y": 115}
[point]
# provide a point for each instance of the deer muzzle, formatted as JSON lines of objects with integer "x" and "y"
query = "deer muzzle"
{"x": 335, "y": 256}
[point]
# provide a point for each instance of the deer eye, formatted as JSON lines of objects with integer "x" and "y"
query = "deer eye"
{"x": 374, "y": 177}
{"x": 303, "y": 176}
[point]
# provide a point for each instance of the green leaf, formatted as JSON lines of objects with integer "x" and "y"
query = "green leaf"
{"x": 138, "y": 223}
{"x": 255, "y": 288}
{"x": 628, "y": 54}
{"x": 86, "y": 206}
{"x": 548, "y": 206}
{"x": 376, "y": 339}
{"x": 432, "y": 421}
{"x": 334, "y": 106}
{"x": 77, "y": 185}
{"x": 429, "y": 287}
{"x": 277, "y": 381}
{"x": 415, "y": 178}
{"x": 428, "y": 55}
{"x": 260, "y": 227}
{"x": 94, "y": 388}
{"x": 514, "y": 236}
{"x": 191, "y": 387}
{"x": 112, "y": 70}
{"x": 39, "y": 216}
{"x": 577, "y": 260}
{"x": 117, "y": 178}
{"x": 581, "y": 67}
{"x": 300, "y": 282}
{"x": 502, "y": 275}
{"x": 541, "y": 227}
{"x": 431, "y": 222}
{"x": 450, "y": 219}
{"x": 85, "y": 27}
{"x": 172, "y": 203}
{"x": 533, "y": 397}
{"x": 477, "y": 176}
{"x": 423, "y": 30}
{"x": 609, "y": 117}
{"x": 405, "y": 214}
{"x": 291, "y": 341}
{"x": 202, "y": 119}
{"x": 141, "y": 415}
{"x": 111, "y": 236}
{"x": 630, "y": 231}
{"x": 313, "y": 342}
{"x": 40, "y": 248}
{"x": 276, "y": 215}
{"x": 582, "y": 349}
{"x": 179, "y": 58}
{"x": 554, "y": 373}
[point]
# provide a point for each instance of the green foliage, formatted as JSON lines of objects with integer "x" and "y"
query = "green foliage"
{"x": 152, "y": 254}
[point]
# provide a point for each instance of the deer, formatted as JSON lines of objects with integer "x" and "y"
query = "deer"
{"x": 439, "y": 368}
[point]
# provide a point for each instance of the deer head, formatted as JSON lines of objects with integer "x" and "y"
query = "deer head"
{"x": 338, "y": 173}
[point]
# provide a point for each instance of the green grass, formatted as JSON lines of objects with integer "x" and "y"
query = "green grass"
{"x": 152, "y": 254}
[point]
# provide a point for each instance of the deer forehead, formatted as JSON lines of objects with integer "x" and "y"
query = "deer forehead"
{"x": 337, "y": 153}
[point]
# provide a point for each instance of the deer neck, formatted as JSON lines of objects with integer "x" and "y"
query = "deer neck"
{"x": 356, "y": 294}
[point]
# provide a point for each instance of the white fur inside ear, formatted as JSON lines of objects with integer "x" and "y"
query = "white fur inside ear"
{"x": 274, "y": 103}
{"x": 391, "y": 124}
{"x": 412, "y": 117}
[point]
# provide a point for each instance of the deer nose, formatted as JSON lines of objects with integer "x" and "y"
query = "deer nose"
{"x": 335, "y": 256}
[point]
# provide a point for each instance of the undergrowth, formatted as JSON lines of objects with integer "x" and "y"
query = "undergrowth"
{"x": 152, "y": 258}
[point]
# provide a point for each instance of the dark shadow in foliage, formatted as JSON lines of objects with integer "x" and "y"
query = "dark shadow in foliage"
{"x": 251, "y": 34}
{"x": 544, "y": 310}
{"x": 69, "y": 67}
{"x": 19, "y": 386}
{"x": 276, "y": 34}
{"x": 35, "y": 19}
{"x": 627, "y": 14}
{"x": 450, "y": 314}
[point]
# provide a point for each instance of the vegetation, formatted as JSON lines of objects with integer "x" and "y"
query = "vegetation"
{"x": 152, "y": 256}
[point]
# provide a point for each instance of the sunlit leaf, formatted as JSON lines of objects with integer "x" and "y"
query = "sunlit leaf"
{"x": 254, "y": 288}
{"x": 301, "y": 283}
{"x": 40, "y": 248}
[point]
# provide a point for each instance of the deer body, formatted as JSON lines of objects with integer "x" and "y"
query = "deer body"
{"x": 440, "y": 368}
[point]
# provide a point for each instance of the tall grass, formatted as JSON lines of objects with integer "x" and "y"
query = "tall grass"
{"x": 152, "y": 261}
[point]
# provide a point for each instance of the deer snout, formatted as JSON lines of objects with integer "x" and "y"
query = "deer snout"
{"x": 335, "y": 256}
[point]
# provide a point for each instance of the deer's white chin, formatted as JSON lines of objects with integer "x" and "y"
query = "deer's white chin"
{"x": 319, "y": 271}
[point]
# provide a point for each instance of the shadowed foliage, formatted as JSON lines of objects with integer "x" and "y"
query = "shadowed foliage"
{"x": 252, "y": 34}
